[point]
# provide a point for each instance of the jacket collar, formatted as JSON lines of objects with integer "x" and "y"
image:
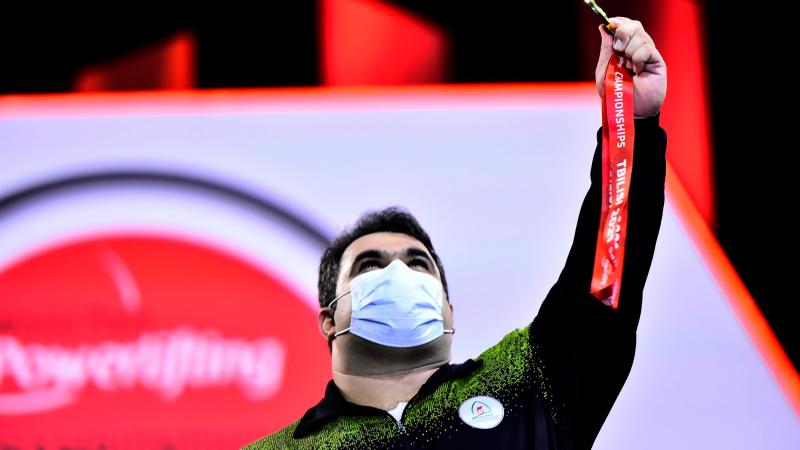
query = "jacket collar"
{"x": 334, "y": 403}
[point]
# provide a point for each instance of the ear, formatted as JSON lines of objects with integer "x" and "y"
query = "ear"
{"x": 326, "y": 323}
{"x": 451, "y": 315}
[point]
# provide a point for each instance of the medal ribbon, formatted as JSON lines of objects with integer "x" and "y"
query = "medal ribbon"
{"x": 618, "y": 135}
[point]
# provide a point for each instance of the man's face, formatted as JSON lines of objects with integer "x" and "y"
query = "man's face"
{"x": 375, "y": 251}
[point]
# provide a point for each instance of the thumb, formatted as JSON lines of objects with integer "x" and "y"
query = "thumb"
{"x": 606, "y": 40}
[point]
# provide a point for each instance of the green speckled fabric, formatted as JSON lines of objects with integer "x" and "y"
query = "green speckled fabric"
{"x": 508, "y": 373}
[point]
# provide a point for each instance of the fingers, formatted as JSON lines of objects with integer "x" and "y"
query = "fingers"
{"x": 631, "y": 39}
{"x": 642, "y": 56}
{"x": 606, "y": 38}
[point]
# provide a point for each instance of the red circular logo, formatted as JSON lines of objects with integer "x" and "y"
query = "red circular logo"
{"x": 142, "y": 340}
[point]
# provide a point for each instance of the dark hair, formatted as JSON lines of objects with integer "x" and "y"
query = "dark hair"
{"x": 392, "y": 219}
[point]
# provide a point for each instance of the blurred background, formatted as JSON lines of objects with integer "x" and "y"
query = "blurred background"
{"x": 146, "y": 106}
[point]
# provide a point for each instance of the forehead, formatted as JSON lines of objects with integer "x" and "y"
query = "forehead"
{"x": 383, "y": 240}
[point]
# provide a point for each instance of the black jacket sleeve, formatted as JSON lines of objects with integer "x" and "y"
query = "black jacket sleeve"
{"x": 586, "y": 348}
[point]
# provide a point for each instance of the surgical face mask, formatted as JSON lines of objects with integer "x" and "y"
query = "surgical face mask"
{"x": 395, "y": 306}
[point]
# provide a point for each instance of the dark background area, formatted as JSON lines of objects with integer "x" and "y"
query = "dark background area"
{"x": 749, "y": 69}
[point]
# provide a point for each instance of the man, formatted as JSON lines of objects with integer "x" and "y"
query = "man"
{"x": 388, "y": 320}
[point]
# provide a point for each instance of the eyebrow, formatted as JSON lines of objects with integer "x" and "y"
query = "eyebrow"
{"x": 379, "y": 254}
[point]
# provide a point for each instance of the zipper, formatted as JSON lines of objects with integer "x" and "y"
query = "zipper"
{"x": 399, "y": 422}
{"x": 401, "y": 431}
{"x": 402, "y": 428}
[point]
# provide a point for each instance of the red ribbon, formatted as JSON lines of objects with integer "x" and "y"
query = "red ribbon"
{"x": 618, "y": 135}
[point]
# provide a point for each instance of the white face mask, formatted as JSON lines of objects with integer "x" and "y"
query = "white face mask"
{"x": 396, "y": 306}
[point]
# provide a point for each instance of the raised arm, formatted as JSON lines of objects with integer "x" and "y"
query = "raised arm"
{"x": 586, "y": 348}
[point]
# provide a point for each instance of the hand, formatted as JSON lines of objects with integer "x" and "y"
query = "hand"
{"x": 650, "y": 71}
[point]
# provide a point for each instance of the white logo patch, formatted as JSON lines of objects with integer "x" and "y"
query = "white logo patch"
{"x": 481, "y": 412}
